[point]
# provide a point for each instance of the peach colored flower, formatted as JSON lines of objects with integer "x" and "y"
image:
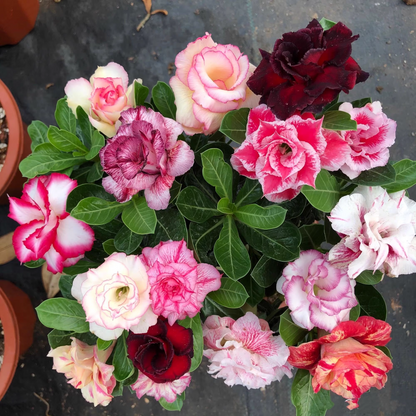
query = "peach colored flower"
{"x": 85, "y": 368}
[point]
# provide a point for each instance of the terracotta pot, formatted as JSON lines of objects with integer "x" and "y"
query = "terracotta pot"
{"x": 11, "y": 180}
{"x": 18, "y": 319}
{"x": 17, "y": 19}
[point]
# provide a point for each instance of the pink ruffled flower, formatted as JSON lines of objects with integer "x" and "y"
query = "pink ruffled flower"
{"x": 378, "y": 232}
{"x": 115, "y": 297}
{"x": 85, "y": 368}
{"x": 168, "y": 391}
{"x": 317, "y": 293}
{"x": 145, "y": 154}
{"x": 103, "y": 97}
{"x": 370, "y": 142}
{"x": 179, "y": 284}
{"x": 245, "y": 352}
{"x": 46, "y": 230}
{"x": 210, "y": 80}
{"x": 284, "y": 155}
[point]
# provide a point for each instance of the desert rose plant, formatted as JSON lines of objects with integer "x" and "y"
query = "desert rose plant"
{"x": 242, "y": 214}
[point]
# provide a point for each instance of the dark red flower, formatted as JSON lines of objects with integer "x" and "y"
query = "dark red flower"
{"x": 164, "y": 353}
{"x": 307, "y": 70}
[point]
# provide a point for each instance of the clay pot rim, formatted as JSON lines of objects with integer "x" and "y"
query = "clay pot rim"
{"x": 11, "y": 342}
{"x": 15, "y": 145}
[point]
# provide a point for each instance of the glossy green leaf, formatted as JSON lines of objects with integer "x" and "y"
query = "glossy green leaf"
{"x": 85, "y": 126}
{"x": 263, "y": 218}
{"x": 46, "y": 148}
{"x": 139, "y": 217}
{"x": 386, "y": 351}
{"x": 95, "y": 173}
{"x": 82, "y": 266}
{"x": 65, "y": 141}
{"x": 65, "y": 117}
{"x": 213, "y": 308}
{"x": 104, "y": 345}
{"x": 231, "y": 294}
{"x": 97, "y": 211}
{"x": 34, "y": 264}
{"x": 38, "y": 133}
{"x": 225, "y": 206}
{"x": 367, "y": 277}
{"x": 312, "y": 236}
{"x": 295, "y": 207}
{"x": 234, "y": 124}
{"x": 338, "y": 120}
{"x": 355, "y": 313}
{"x": 380, "y": 176}
{"x": 140, "y": 93}
{"x": 255, "y": 292}
{"x": 405, "y": 176}
{"x": 164, "y": 99}
{"x": 127, "y": 241}
{"x": 58, "y": 338}
{"x": 225, "y": 148}
{"x": 361, "y": 102}
{"x": 174, "y": 191}
{"x": 267, "y": 271}
{"x": 331, "y": 235}
{"x": 250, "y": 192}
{"x": 65, "y": 286}
{"x": 326, "y": 23}
{"x": 97, "y": 143}
{"x": 176, "y": 406}
{"x": 289, "y": 331}
{"x": 123, "y": 366}
{"x": 84, "y": 191}
{"x": 371, "y": 301}
{"x": 196, "y": 206}
{"x": 196, "y": 326}
{"x": 194, "y": 178}
{"x": 109, "y": 246}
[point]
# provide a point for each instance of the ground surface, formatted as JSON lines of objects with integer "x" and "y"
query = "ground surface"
{"x": 74, "y": 36}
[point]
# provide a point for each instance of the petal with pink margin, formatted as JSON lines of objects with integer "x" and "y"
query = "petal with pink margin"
{"x": 54, "y": 261}
{"x": 23, "y": 212}
{"x": 180, "y": 159}
{"x": 79, "y": 93}
{"x": 336, "y": 151}
{"x": 20, "y": 235}
{"x": 111, "y": 70}
{"x": 158, "y": 195}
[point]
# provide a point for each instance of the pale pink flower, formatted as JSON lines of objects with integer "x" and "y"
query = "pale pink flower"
{"x": 145, "y": 386}
{"x": 85, "y": 368}
{"x": 103, "y": 97}
{"x": 378, "y": 232}
{"x": 285, "y": 155}
{"x": 145, "y": 154}
{"x": 179, "y": 284}
{"x": 245, "y": 352}
{"x": 46, "y": 230}
{"x": 317, "y": 293}
{"x": 370, "y": 142}
{"x": 115, "y": 297}
{"x": 210, "y": 80}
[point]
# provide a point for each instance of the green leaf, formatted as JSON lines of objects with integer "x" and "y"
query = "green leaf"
{"x": 65, "y": 286}
{"x": 97, "y": 143}
{"x": 95, "y": 173}
{"x": 234, "y": 124}
{"x": 194, "y": 178}
{"x": 176, "y": 406}
{"x": 170, "y": 226}
{"x": 109, "y": 246}
{"x": 255, "y": 292}
{"x": 34, "y": 264}
{"x": 371, "y": 301}
{"x": 84, "y": 191}
{"x": 104, "y": 345}
{"x": 266, "y": 272}
{"x": 218, "y": 173}
{"x": 281, "y": 244}
{"x": 380, "y": 176}
{"x": 326, "y": 193}
{"x": 203, "y": 237}
{"x": 174, "y": 191}
{"x": 127, "y": 241}
{"x": 355, "y": 313}
{"x": 140, "y": 93}
{"x": 81, "y": 267}
{"x": 196, "y": 206}
{"x": 65, "y": 117}
{"x": 361, "y": 102}
{"x": 225, "y": 206}
{"x": 97, "y": 211}
{"x": 289, "y": 331}
{"x": 164, "y": 99}
{"x": 326, "y": 24}
{"x": 312, "y": 236}
{"x": 39, "y": 164}
{"x": 231, "y": 294}
{"x": 46, "y": 148}
{"x": 85, "y": 125}
{"x": 63, "y": 314}
{"x": 65, "y": 141}
{"x": 338, "y": 120}
{"x": 123, "y": 366}
{"x": 225, "y": 148}
{"x": 230, "y": 252}
{"x": 386, "y": 351}
{"x": 38, "y": 133}
{"x": 331, "y": 235}
{"x": 295, "y": 207}
{"x": 405, "y": 176}
{"x": 196, "y": 326}
{"x": 81, "y": 174}
{"x": 58, "y": 338}
{"x": 367, "y": 277}
{"x": 213, "y": 308}
{"x": 139, "y": 217}
{"x": 307, "y": 402}
{"x": 250, "y": 192}
{"x": 263, "y": 218}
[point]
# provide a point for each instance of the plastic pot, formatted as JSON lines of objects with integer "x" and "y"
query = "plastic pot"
{"x": 18, "y": 319}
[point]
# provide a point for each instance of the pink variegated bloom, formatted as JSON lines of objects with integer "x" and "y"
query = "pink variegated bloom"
{"x": 284, "y": 155}
{"x": 103, "y": 97}
{"x": 378, "y": 232}
{"x": 145, "y": 154}
{"x": 178, "y": 283}
{"x": 168, "y": 391}
{"x": 85, "y": 368}
{"x": 210, "y": 80}
{"x": 317, "y": 293}
{"x": 245, "y": 352}
{"x": 370, "y": 142}
{"x": 46, "y": 230}
{"x": 115, "y": 297}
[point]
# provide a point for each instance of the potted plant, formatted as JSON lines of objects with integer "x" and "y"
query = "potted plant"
{"x": 17, "y": 321}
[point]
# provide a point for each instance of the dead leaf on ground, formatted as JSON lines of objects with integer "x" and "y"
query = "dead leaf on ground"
{"x": 51, "y": 84}
{"x": 50, "y": 282}
{"x": 6, "y": 249}
{"x": 165, "y": 12}
{"x": 147, "y": 5}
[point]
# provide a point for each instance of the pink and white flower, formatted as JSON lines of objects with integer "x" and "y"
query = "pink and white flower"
{"x": 85, "y": 368}
{"x": 370, "y": 142}
{"x": 245, "y": 352}
{"x": 317, "y": 293}
{"x": 46, "y": 230}
{"x": 145, "y": 154}
{"x": 179, "y": 284}
{"x": 378, "y": 232}
{"x": 115, "y": 297}
{"x": 210, "y": 80}
{"x": 103, "y": 97}
{"x": 285, "y": 155}
{"x": 168, "y": 391}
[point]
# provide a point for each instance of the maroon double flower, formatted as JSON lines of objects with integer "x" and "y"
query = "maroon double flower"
{"x": 307, "y": 70}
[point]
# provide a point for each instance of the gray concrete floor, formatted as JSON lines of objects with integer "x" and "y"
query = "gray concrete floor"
{"x": 74, "y": 36}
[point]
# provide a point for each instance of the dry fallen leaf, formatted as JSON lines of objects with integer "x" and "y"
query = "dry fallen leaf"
{"x": 148, "y": 5}
{"x": 50, "y": 282}
{"x": 51, "y": 84}
{"x": 6, "y": 248}
{"x": 165, "y": 12}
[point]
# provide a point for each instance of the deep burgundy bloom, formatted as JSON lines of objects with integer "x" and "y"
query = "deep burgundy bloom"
{"x": 164, "y": 353}
{"x": 307, "y": 70}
